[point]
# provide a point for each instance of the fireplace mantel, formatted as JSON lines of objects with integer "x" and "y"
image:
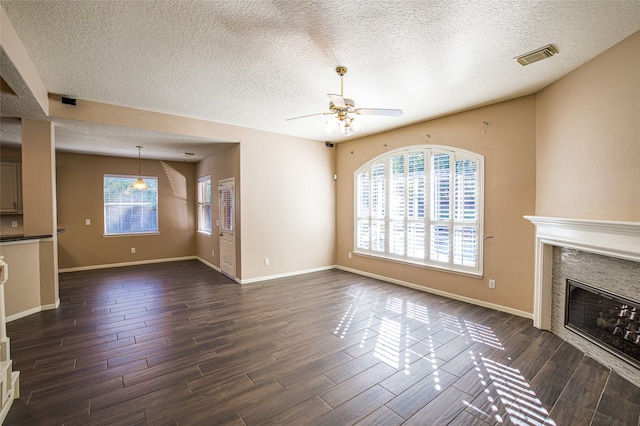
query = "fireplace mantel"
{"x": 608, "y": 238}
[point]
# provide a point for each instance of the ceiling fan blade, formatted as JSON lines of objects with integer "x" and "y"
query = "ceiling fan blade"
{"x": 309, "y": 115}
{"x": 379, "y": 111}
{"x": 337, "y": 100}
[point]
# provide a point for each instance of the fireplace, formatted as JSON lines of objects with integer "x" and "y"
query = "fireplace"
{"x": 601, "y": 258}
{"x": 608, "y": 320}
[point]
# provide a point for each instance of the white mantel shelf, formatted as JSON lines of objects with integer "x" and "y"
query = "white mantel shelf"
{"x": 608, "y": 238}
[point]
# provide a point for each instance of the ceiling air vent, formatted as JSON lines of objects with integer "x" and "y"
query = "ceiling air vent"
{"x": 537, "y": 55}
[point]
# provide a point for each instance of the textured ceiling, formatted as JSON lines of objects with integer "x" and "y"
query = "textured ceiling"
{"x": 254, "y": 63}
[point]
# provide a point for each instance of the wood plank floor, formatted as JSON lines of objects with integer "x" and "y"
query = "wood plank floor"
{"x": 178, "y": 343}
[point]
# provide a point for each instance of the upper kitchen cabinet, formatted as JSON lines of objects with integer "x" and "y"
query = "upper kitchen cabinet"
{"x": 10, "y": 187}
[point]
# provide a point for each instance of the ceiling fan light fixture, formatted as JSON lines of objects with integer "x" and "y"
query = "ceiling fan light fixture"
{"x": 344, "y": 109}
{"x": 348, "y": 130}
{"x": 348, "y": 126}
{"x": 345, "y": 125}
{"x": 355, "y": 125}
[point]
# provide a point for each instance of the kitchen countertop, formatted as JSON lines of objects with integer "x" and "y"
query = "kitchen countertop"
{"x": 22, "y": 237}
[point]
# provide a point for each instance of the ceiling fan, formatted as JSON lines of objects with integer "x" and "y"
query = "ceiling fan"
{"x": 344, "y": 110}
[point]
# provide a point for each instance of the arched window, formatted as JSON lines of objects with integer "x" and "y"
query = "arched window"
{"x": 422, "y": 205}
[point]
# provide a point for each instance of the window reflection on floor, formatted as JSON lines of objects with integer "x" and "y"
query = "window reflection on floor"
{"x": 482, "y": 334}
{"x": 388, "y": 344}
{"x": 357, "y": 293}
{"x": 507, "y": 396}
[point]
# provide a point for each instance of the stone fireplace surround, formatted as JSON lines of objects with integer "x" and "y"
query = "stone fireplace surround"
{"x": 604, "y": 254}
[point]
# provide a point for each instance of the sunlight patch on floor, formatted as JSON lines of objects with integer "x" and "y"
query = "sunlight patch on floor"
{"x": 388, "y": 344}
{"x": 511, "y": 391}
{"x": 482, "y": 334}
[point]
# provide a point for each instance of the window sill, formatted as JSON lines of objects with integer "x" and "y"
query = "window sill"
{"x": 421, "y": 265}
{"x": 204, "y": 233}
{"x": 133, "y": 234}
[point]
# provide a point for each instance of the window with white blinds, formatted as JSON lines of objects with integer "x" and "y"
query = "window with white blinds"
{"x": 128, "y": 210}
{"x": 226, "y": 207}
{"x": 204, "y": 205}
{"x": 422, "y": 205}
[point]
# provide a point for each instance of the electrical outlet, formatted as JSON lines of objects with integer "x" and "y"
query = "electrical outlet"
{"x": 213, "y": 253}
{"x": 349, "y": 255}
{"x": 492, "y": 283}
{"x": 133, "y": 250}
{"x": 87, "y": 221}
{"x": 266, "y": 262}
{"x": 14, "y": 224}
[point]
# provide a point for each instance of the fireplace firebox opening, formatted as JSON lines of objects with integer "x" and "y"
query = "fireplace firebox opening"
{"x": 608, "y": 320}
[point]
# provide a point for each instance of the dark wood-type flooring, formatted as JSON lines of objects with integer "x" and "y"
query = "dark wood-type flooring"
{"x": 178, "y": 343}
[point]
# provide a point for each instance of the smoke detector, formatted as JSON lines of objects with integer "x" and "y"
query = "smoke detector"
{"x": 536, "y": 55}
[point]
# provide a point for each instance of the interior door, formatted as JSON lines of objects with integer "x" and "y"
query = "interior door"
{"x": 226, "y": 227}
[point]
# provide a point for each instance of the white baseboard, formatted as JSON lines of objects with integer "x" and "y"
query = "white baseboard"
{"x": 285, "y": 275}
{"x": 33, "y": 311}
{"x": 484, "y": 304}
{"x": 500, "y": 308}
{"x": 210, "y": 265}
{"x": 214, "y": 267}
{"x": 118, "y": 265}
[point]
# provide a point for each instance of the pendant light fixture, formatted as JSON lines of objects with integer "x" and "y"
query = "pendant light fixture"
{"x": 139, "y": 184}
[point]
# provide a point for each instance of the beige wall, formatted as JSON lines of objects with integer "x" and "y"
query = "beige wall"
{"x": 508, "y": 145}
{"x": 588, "y": 139}
{"x": 574, "y": 146}
{"x": 39, "y": 201}
{"x": 222, "y": 165}
{"x": 22, "y": 289}
{"x": 80, "y": 197}
{"x": 38, "y": 177}
{"x": 288, "y": 205}
{"x": 285, "y": 192}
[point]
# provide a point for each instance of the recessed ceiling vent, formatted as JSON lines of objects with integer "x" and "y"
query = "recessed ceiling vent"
{"x": 537, "y": 55}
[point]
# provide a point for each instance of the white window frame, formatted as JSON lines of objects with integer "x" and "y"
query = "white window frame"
{"x": 152, "y": 182}
{"x": 204, "y": 225}
{"x": 367, "y": 221}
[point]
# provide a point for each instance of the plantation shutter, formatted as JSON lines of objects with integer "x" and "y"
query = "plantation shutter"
{"x": 397, "y": 205}
{"x": 422, "y": 205}
{"x": 363, "y": 210}
{"x": 378, "y": 206}
{"x": 440, "y": 228}
{"x": 466, "y": 213}
{"x": 226, "y": 208}
{"x": 416, "y": 203}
